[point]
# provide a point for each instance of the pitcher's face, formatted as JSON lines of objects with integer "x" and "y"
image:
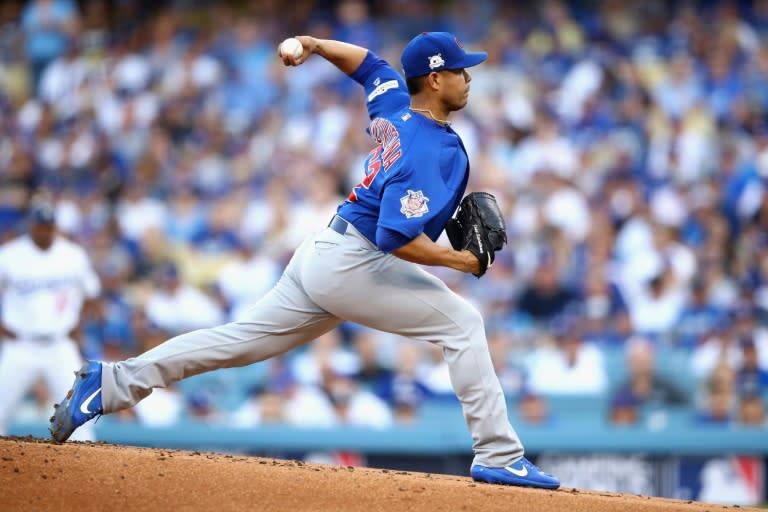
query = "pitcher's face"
{"x": 454, "y": 90}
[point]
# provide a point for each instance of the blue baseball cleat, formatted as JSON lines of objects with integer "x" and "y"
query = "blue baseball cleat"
{"x": 82, "y": 403}
{"x": 522, "y": 473}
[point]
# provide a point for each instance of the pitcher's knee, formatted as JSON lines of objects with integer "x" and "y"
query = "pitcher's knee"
{"x": 470, "y": 323}
{"x": 472, "y": 319}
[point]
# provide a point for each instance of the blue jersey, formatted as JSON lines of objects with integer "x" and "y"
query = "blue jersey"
{"x": 416, "y": 175}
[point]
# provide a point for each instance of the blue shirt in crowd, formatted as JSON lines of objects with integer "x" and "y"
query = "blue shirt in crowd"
{"x": 45, "y": 37}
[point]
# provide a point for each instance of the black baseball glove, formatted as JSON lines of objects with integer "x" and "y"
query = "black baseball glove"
{"x": 479, "y": 228}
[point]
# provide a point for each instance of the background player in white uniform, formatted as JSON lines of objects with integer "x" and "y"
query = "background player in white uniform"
{"x": 44, "y": 280}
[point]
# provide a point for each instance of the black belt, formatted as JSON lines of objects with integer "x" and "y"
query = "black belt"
{"x": 339, "y": 225}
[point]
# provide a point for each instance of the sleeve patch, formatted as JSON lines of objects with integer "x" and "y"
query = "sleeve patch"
{"x": 414, "y": 204}
{"x": 381, "y": 89}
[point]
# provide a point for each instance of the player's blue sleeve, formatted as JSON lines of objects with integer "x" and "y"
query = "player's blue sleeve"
{"x": 388, "y": 240}
{"x": 385, "y": 89}
{"x": 413, "y": 198}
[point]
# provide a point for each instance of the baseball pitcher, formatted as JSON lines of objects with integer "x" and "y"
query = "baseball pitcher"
{"x": 363, "y": 267}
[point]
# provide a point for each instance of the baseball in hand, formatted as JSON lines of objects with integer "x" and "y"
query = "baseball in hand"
{"x": 291, "y": 46}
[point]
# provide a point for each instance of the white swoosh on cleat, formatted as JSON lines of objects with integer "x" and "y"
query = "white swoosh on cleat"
{"x": 84, "y": 405}
{"x": 518, "y": 472}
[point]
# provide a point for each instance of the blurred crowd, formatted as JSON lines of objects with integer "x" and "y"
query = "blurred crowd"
{"x": 627, "y": 143}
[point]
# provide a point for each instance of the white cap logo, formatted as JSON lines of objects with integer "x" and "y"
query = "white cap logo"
{"x": 436, "y": 61}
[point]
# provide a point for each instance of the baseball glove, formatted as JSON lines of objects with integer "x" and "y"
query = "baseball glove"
{"x": 479, "y": 228}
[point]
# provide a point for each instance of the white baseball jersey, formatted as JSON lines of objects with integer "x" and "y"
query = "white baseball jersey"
{"x": 43, "y": 291}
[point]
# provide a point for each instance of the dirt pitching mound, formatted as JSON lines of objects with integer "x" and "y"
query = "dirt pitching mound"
{"x": 38, "y": 475}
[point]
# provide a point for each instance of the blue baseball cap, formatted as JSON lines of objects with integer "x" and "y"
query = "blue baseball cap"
{"x": 42, "y": 212}
{"x": 437, "y": 51}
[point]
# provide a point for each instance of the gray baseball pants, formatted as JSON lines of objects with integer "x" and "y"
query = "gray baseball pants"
{"x": 334, "y": 277}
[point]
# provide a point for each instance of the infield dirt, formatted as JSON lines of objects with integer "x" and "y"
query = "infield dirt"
{"x": 37, "y": 475}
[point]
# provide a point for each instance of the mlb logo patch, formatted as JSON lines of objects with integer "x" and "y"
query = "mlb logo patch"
{"x": 414, "y": 204}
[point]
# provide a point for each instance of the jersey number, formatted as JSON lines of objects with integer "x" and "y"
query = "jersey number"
{"x": 377, "y": 159}
{"x": 61, "y": 302}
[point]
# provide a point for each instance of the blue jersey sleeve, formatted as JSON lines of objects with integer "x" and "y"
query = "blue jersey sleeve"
{"x": 385, "y": 89}
{"x": 388, "y": 240}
